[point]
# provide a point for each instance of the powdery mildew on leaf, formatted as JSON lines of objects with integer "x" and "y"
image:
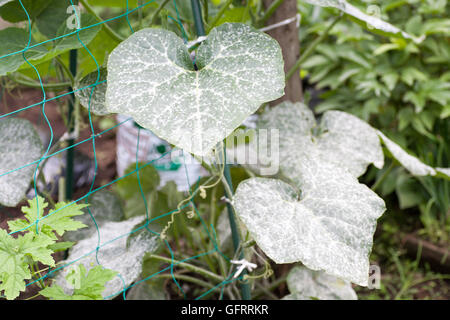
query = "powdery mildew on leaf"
{"x": 2, "y": 2}
{"x": 115, "y": 255}
{"x": 105, "y": 207}
{"x": 19, "y": 145}
{"x": 444, "y": 171}
{"x": 372, "y": 21}
{"x": 305, "y": 284}
{"x": 330, "y": 227}
{"x": 412, "y": 164}
{"x": 340, "y": 138}
{"x": 152, "y": 78}
{"x": 96, "y": 97}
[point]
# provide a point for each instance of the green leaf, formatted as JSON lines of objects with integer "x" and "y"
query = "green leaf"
{"x": 15, "y": 40}
{"x": 52, "y": 17}
{"x": 370, "y": 22}
{"x": 305, "y": 284}
{"x": 93, "y": 96}
{"x": 72, "y": 41}
{"x": 14, "y": 12}
{"x": 408, "y": 193}
{"x": 14, "y": 269}
{"x": 90, "y": 286}
{"x": 410, "y": 74}
{"x": 236, "y": 14}
{"x": 61, "y": 246}
{"x": 128, "y": 187}
{"x": 60, "y": 222}
{"x": 66, "y": 43}
{"x": 239, "y": 69}
{"x": 19, "y": 145}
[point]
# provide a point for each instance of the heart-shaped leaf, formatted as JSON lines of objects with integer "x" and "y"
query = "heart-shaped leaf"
{"x": 330, "y": 227}
{"x": 305, "y": 284}
{"x": 19, "y": 145}
{"x": 152, "y": 78}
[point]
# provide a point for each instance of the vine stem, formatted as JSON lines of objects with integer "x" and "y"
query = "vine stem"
{"x": 311, "y": 48}
{"x": 245, "y": 288}
{"x": 189, "y": 279}
{"x": 190, "y": 267}
{"x": 114, "y": 35}
{"x": 383, "y": 176}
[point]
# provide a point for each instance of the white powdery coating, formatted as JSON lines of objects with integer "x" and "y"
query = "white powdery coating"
{"x": 151, "y": 78}
{"x": 306, "y": 284}
{"x": 96, "y": 97}
{"x": 445, "y": 171}
{"x": 330, "y": 228}
{"x": 412, "y": 164}
{"x": 19, "y": 145}
{"x": 343, "y": 139}
{"x": 373, "y": 21}
{"x": 115, "y": 255}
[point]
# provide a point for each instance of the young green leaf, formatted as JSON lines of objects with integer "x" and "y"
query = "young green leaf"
{"x": 14, "y": 269}
{"x": 20, "y": 145}
{"x": 89, "y": 286}
{"x": 59, "y": 222}
{"x": 152, "y": 78}
{"x": 14, "y": 12}
{"x": 306, "y": 284}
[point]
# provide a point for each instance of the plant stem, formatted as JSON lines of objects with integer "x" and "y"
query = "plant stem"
{"x": 155, "y": 15}
{"x": 114, "y": 35}
{"x": 70, "y": 129}
{"x": 311, "y": 48}
{"x": 66, "y": 69}
{"x": 270, "y": 11}
{"x": 272, "y": 286}
{"x": 200, "y": 29}
{"x": 190, "y": 267}
{"x": 188, "y": 278}
{"x": 198, "y": 21}
{"x": 266, "y": 291}
{"x": 235, "y": 230}
{"x": 383, "y": 176}
{"x": 219, "y": 14}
